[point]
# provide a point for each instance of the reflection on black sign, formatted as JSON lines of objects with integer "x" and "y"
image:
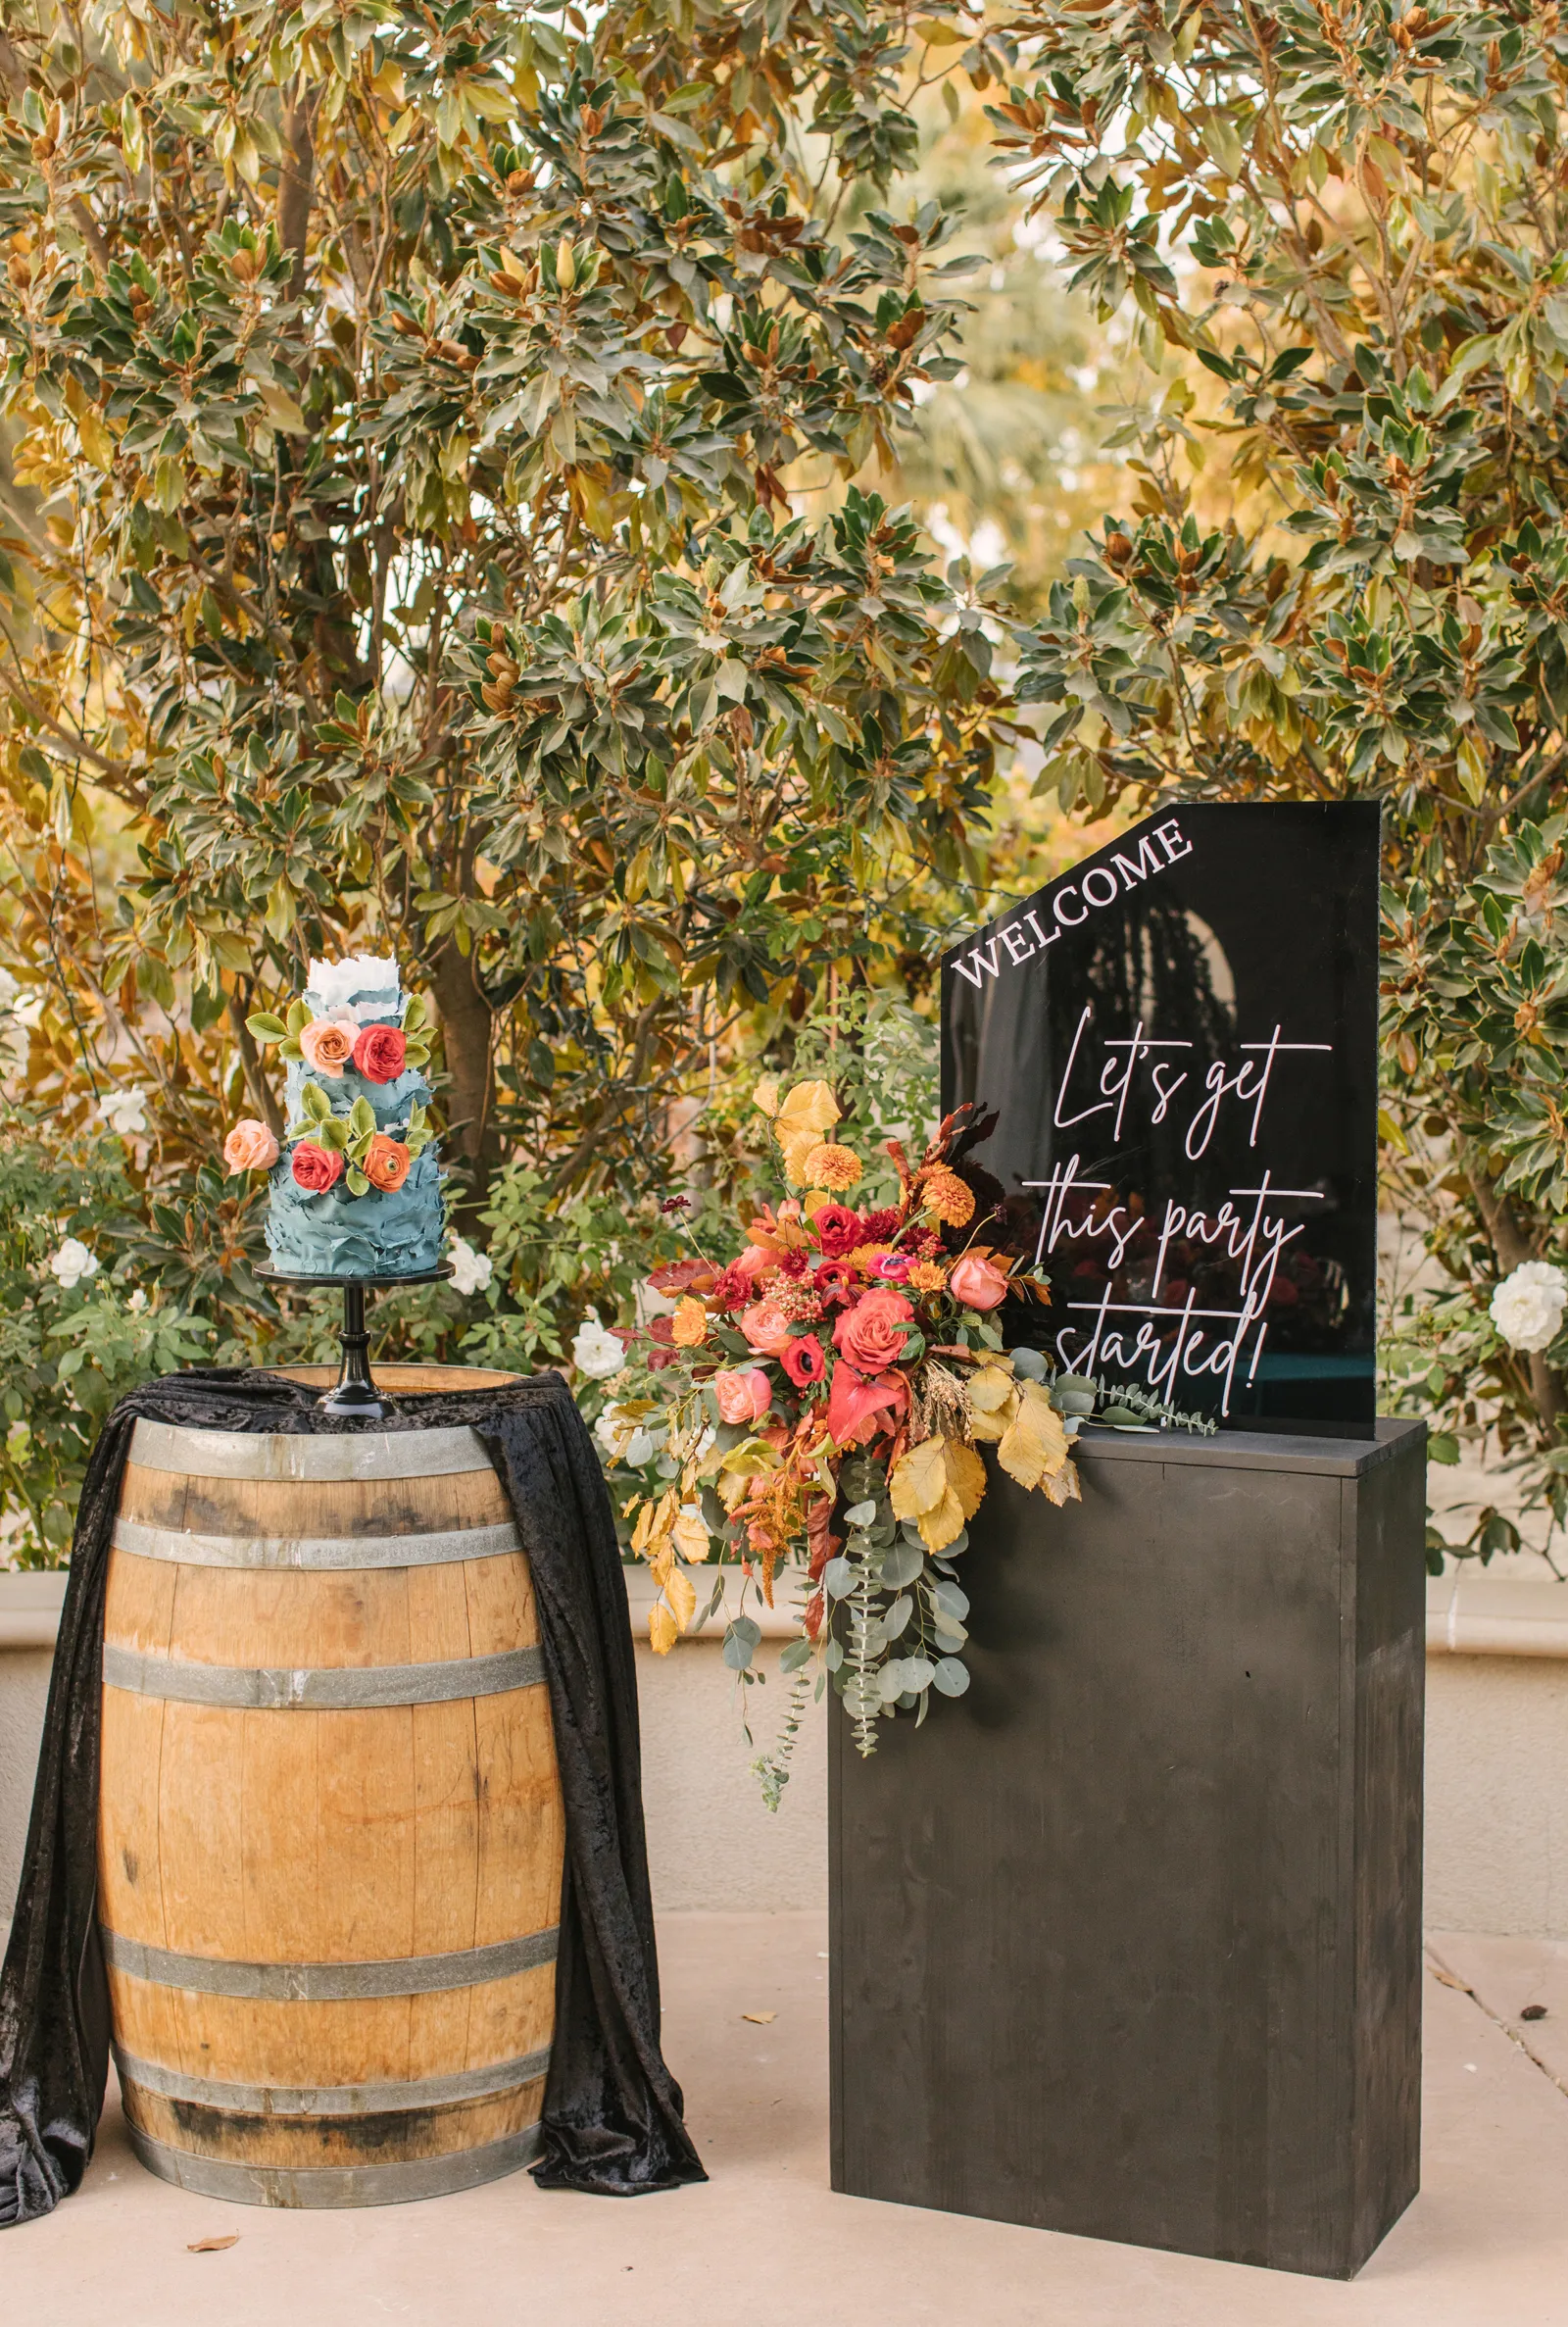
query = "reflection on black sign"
{"x": 1173, "y": 1056}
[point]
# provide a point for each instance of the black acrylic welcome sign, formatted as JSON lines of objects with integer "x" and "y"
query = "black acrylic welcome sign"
{"x": 1172, "y": 1055}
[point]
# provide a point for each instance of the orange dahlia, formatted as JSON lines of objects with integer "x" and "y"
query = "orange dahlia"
{"x": 947, "y": 1198}
{"x": 831, "y": 1166}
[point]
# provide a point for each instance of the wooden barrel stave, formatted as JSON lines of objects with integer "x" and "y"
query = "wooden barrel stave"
{"x": 395, "y": 1836}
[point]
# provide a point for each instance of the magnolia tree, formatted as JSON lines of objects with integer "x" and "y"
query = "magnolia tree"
{"x": 399, "y": 552}
{"x": 1342, "y": 568}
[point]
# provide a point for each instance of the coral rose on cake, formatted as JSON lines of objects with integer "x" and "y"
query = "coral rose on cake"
{"x": 250, "y": 1147}
{"x": 315, "y": 1169}
{"x": 328, "y": 1045}
{"x": 386, "y": 1163}
{"x": 872, "y": 1334}
{"x": 379, "y": 1053}
{"x": 743, "y": 1396}
{"x": 977, "y": 1283}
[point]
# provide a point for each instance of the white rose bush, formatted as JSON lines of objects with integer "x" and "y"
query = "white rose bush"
{"x": 1528, "y": 1306}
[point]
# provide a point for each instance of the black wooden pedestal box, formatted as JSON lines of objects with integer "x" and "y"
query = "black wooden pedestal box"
{"x": 1126, "y": 1942}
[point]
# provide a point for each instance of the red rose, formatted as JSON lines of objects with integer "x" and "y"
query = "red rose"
{"x": 805, "y": 1360}
{"x": 315, "y": 1169}
{"x": 378, "y": 1052}
{"x": 871, "y": 1333}
{"x": 838, "y": 1229}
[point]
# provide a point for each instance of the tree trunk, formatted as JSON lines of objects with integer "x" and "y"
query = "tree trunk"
{"x": 263, "y": 1097}
{"x": 466, "y": 1026}
{"x": 296, "y": 179}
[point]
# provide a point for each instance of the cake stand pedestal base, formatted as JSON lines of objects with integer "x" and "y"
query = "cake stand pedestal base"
{"x": 355, "y": 1393}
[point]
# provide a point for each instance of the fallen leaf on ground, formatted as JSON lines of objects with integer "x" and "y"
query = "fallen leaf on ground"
{"x": 213, "y": 2245}
{"x": 762, "y": 2018}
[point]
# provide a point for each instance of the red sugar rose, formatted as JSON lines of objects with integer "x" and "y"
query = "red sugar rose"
{"x": 379, "y": 1051}
{"x": 315, "y": 1169}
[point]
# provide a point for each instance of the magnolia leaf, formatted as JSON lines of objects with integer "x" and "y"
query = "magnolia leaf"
{"x": 298, "y": 1017}
{"x": 919, "y": 1479}
{"x": 941, "y": 1526}
{"x": 1034, "y": 1446}
{"x": 265, "y": 1027}
{"x": 967, "y": 1476}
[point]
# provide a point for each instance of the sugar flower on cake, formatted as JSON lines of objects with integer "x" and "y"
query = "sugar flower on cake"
{"x": 250, "y": 1147}
{"x": 328, "y": 1044}
{"x": 316, "y": 1169}
{"x": 333, "y": 984}
{"x": 596, "y": 1351}
{"x": 471, "y": 1271}
{"x": 73, "y": 1264}
{"x": 378, "y": 1052}
{"x": 1528, "y": 1305}
{"x": 385, "y": 1163}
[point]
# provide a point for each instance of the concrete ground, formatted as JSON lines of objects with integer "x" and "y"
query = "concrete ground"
{"x": 766, "y": 2240}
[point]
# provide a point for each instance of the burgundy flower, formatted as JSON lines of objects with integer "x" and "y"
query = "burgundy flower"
{"x": 879, "y": 1228}
{"x": 791, "y": 1265}
{"x": 732, "y": 1290}
{"x": 805, "y": 1360}
{"x": 838, "y": 1230}
{"x": 835, "y": 1281}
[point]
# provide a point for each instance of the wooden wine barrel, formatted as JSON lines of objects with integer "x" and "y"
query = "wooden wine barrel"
{"x": 331, "y": 1829}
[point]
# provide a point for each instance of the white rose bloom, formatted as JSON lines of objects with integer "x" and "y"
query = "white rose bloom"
{"x": 124, "y": 1111}
{"x": 596, "y": 1351}
{"x": 471, "y": 1271}
{"x": 137, "y": 1300}
{"x": 73, "y": 1264}
{"x": 1528, "y": 1306}
{"x": 625, "y": 1438}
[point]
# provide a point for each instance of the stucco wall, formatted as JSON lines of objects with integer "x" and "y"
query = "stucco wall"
{"x": 1498, "y": 1795}
{"x": 23, "y": 1686}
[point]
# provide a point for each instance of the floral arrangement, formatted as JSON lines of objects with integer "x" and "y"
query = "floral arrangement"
{"x": 329, "y": 1146}
{"x": 822, "y": 1398}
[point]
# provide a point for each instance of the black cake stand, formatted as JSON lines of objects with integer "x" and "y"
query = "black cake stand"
{"x": 355, "y": 1392}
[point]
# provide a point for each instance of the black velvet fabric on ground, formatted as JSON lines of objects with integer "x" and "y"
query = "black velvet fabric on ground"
{"x": 612, "y": 2120}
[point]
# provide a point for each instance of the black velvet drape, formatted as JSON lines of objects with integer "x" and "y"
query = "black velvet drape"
{"x": 612, "y": 2120}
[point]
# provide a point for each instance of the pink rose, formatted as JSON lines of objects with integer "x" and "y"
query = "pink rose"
{"x": 378, "y": 1052}
{"x": 315, "y": 1169}
{"x": 327, "y": 1044}
{"x": 977, "y": 1283}
{"x": 871, "y": 1333}
{"x": 767, "y": 1328}
{"x": 250, "y": 1147}
{"x": 743, "y": 1397}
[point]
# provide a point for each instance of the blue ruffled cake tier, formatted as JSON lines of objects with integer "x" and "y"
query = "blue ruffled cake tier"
{"x": 386, "y": 1232}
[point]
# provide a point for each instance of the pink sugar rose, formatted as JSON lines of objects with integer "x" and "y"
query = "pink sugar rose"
{"x": 977, "y": 1283}
{"x": 316, "y": 1169}
{"x": 767, "y": 1328}
{"x": 743, "y": 1396}
{"x": 328, "y": 1045}
{"x": 250, "y": 1147}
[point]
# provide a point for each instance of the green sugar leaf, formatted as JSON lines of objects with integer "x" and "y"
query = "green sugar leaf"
{"x": 265, "y": 1027}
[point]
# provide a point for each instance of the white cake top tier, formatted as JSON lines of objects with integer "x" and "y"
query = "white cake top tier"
{"x": 332, "y": 985}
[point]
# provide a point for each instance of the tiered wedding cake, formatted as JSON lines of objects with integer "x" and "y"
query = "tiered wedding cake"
{"x": 357, "y": 1191}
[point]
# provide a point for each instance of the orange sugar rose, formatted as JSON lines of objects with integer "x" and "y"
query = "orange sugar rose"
{"x": 386, "y": 1163}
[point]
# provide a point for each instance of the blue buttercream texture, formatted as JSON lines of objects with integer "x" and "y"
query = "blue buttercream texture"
{"x": 386, "y": 1232}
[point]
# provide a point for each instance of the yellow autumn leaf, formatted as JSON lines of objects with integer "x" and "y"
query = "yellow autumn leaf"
{"x": 809, "y": 1106}
{"x": 96, "y": 441}
{"x": 1034, "y": 1446}
{"x": 993, "y": 1402}
{"x": 660, "y": 1557}
{"x": 690, "y": 1536}
{"x": 944, "y": 1524}
{"x": 663, "y": 1630}
{"x": 680, "y": 1594}
{"x": 766, "y": 1095}
{"x": 1063, "y": 1487}
{"x": 796, "y": 1148}
{"x": 967, "y": 1476}
{"x": 919, "y": 1478}
{"x": 644, "y": 1527}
